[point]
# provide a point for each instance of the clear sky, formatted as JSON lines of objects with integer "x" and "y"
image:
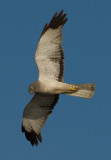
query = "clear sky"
{"x": 78, "y": 128}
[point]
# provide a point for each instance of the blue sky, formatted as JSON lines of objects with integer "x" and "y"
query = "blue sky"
{"x": 78, "y": 128}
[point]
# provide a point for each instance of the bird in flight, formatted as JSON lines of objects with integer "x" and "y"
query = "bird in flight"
{"x": 49, "y": 57}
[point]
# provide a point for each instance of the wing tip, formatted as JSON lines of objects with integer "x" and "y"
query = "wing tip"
{"x": 32, "y": 136}
{"x": 59, "y": 19}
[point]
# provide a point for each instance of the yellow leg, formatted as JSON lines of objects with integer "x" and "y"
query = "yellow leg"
{"x": 73, "y": 89}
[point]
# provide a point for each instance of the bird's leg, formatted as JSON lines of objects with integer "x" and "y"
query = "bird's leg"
{"x": 73, "y": 88}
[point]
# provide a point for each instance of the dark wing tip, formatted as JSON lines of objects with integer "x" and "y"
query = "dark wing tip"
{"x": 32, "y": 136}
{"x": 59, "y": 19}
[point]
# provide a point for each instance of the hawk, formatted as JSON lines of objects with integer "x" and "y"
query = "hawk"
{"x": 49, "y": 57}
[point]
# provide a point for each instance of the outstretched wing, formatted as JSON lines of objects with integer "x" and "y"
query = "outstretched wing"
{"x": 49, "y": 54}
{"x": 35, "y": 115}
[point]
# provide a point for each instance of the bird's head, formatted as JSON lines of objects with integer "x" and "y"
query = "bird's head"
{"x": 33, "y": 88}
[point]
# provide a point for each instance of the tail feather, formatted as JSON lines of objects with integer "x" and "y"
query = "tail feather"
{"x": 84, "y": 90}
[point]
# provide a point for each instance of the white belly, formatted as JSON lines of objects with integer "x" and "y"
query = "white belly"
{"x": 51, "y": 87}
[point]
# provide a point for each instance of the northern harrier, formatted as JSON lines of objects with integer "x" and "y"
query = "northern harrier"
{"x": 49, "y": 58}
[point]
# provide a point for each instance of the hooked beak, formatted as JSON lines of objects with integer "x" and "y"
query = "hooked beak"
{"x": 31, "y": 91}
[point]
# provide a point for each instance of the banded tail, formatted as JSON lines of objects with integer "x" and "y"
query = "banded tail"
{"x": 82, "y": 90}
